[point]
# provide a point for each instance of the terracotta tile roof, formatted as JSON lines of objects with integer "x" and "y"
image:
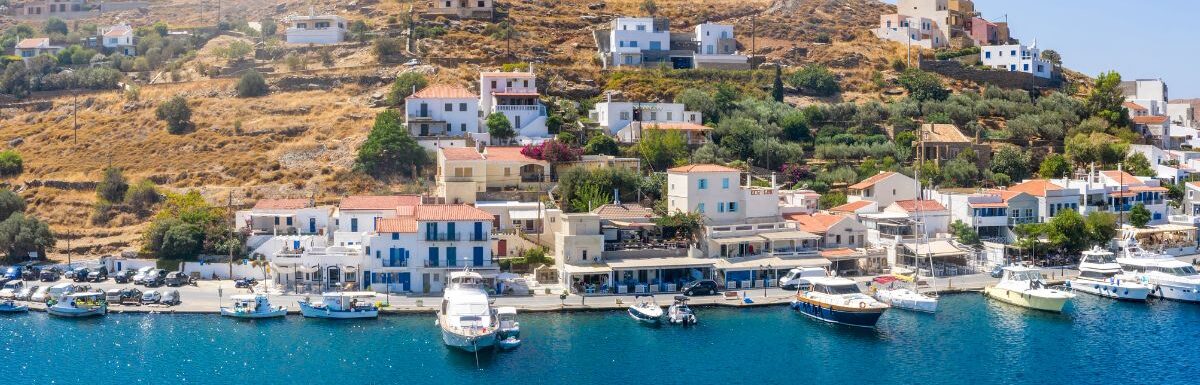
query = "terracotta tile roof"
{"x": 443, "y": 91}
{"x": 1134, "y": 106}
{"x": 281, "y": 204}
{"x": 1035, "y": 187}
{"x": 406, "y": 211}
{"x": 461, "y": 153}
{"x": 511, "y": 154}
{"x": 1148, "y": 189}
{"x": 943, "y": 133}
{"x": 451, "y": 213}
{"x": 507, "y": 74}
{"x": 851, "y": 207}
{"x": 41, "y": 42}
{"x": 815, "y": 223}
{"x": 867, "y": 183}
{"x": 926, "y": 205}
{"x": 839, "y": 252}
{"x": 378, "y": 202}
{"x": 118, "y": 31}
{"x": 702, "y": 168}
{"x": 623, "y": 211}
{"x": 1152, "y": 119}
{"x": 396, "y": 225}
{"x": 677, "y": 126}
{"x": 1122, "y": 177}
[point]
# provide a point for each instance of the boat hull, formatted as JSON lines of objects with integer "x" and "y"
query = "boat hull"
{"x": 865, "y": 318}
{"x": 1013, "y": 297}
{"x": 643, "y": 317}
{"x": 14, "y": 309}
{"x": 276, "y": 312}
{"x": 1110, "y": 290}
{"x": 1169, "y": 291}
{"x": 73, "y": 312}
{"x": 317, "y": 312}
{"x": 468, "y": 343}
{"x": 908, "y": 301}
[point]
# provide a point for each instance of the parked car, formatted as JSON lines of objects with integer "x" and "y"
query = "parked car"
{"x": 245, "y": 283}
{"x": 701, "y": 287}
{"x": 154, "y": 278}
{"x": 131, "y": 296}
{"x": 27, "y": 292}
{"x": 80, "y": 274}
{"x": 98, "y": 275}
{"x": 800, "y": 278}
{"x": 31, "y": 273}
{"x": 997, "y": 271}
{"x": 60, "y": 290}
{"x": 112, "y": 295}
{"x": 12, "y": 272}
{"x": 141, "y": 274}
{"x": 170, "y": 298}
{"x": 69, "y": 273}
{"x": 11, "y": 288}
{"x": 176, "y": 279}
{"x": 41, "y": 294}
{"x": 50, "y": 275}
{"x": 124, "y": 276}
{"x": 151, "y": 296}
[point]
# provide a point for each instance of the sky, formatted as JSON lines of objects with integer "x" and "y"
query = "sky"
{"x": 1140, "y": 39}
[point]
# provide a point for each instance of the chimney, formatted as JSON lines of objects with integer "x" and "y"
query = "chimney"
{"x": 773, "y": 186}
{"x": 616, "y": 196}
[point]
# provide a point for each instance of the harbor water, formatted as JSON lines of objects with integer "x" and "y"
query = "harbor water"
{"x": 970, "y": 340}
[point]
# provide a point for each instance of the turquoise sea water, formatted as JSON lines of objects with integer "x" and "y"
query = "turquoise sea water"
{"x": 970, "y": 340}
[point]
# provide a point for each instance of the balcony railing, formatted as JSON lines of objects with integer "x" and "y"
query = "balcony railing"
{"x": 400, "y": 263}
{"x": 443, "y": 236}
{"x": 517, "y": 107}
{"x": 1021, "y": 220}
{"x": 478, "y": 237}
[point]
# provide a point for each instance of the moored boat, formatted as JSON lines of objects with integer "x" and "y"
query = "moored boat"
{"x": 1100, "y": 274}
{"x": 1023, "y": 286}
{"x": 679, "y": 313}
{"x": 645, "y": 309}
{"x": 1167, "y": 277}
{"x": 908, "y": 299}
{"x": 341, "y": 305}
{"x": 509, "y": 327}
{"x": 466, "y": 317}
{"x": 79, "y": 305}
{"x": 840, "y": 301}
{"x": 252, "y": 306}
{"x": 11, "y": 306}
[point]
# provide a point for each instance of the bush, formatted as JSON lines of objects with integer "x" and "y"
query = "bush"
{"x": 113, "y": 186}
{"x": 922, "y": 85}
{"x": 142, "y": 196}
{"x": 405, "y": 85}
{"x": 387, "y": 49}
{"x": 499, "y": 127}
{"x": 389, "y": 148}
{"x": 251, "y": 85}
{"x": 10, "y": 203}
{"x": 11, "y": 163}
{"x": 601, "y": 144}
{"x": 815, "y": 80}
{"x": 176, "y": 113}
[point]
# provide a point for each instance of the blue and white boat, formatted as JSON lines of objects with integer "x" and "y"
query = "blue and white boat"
{"x": 78, "y": 305}
{"x": 839, "y": 301}
{"x": 466, "y": 317}
{"x": 11, "y": 306}
{"x": 646, "y": 309}
{"x": 341, "y": 305}
{"x": 252, "y": 306}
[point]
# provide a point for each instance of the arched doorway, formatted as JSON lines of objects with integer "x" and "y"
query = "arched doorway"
{"x": 334, "y": 275}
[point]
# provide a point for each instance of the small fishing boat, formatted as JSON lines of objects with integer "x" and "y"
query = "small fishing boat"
{"x": 509, "y": 327}
{"x": 679, "y": 313}
{"x": 466, "y": 317}
{"x": 1023, "y": 286}
{"x": 341, "y": 305}
{"x": 11, "y": 306}
{"x": 840, "y": 301}
{"x": 79, "y": 305}
{"x": 252, "y": 306}
{"x": 645, "y": 309}
{"x": 509, "y": 343}
{"x": 1100, "y": 274}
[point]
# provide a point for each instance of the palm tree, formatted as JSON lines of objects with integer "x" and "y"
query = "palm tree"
{"x": 260, "y": 261}
{"x": 505, "y": 31}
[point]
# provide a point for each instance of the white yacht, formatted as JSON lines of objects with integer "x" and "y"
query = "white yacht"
{"x": 466, "y": 317}
{"x": 252, "y": 306}
{"x": 79, "y": 305}
{"x": 909, "y": 299}
{"x": 1167, "y": 277}
{"x": 645, "y": 309}
{"x": 1023, "y": 286}
{"x": 1100, "y": 274}
{"x": 839, "y": 300}
{"x": 342, "y": 305}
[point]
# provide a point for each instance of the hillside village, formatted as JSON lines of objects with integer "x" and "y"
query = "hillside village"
{"x": 589, "y": 147}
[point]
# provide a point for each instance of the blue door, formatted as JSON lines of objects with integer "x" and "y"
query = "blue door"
{"x": 433, "y": 257}
{"x": 404, "y": 280}
{"x": 478, "y": 256}
{"x": 451, "y": 256}
{"x": 478, "y": 235}
{"x": 366, "y": 280}
{"x": 312, "y": 225}
{"x": 295, "y": 245}
{"x": 450, "y": 232}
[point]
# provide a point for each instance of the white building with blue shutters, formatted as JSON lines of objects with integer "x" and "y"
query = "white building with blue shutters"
{"x": 415, "y": 253}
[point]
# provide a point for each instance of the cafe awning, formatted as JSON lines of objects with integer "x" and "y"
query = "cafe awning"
{"x": 786, "y": 235}
{"x": 631, "y": 224}
{"x": 935, "y": 249}
{"x": 587, "y": 269}
{"x": 737, "y": 240}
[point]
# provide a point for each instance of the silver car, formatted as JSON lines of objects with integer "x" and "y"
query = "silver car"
{"x": 27, "y": 292}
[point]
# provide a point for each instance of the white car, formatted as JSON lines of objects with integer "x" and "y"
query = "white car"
{"x": 41, "y": 295}
{"x": 151, "y": 296}
{"x": 141, "y": 274}
{"x": 27, "y": 292}
{"x": 11, "y": 288}
{"x": 800, "y": 278}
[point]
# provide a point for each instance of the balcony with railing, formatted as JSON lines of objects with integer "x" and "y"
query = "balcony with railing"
{"x": 443, "y": 237}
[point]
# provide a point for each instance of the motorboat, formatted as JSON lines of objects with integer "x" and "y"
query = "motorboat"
{"x": 11, "y": 306}
{"x": 466, "y": 317}
{"x": 509, "y": 343}
{"x": 679, "y": 313}
{"x": 1100, "y": 274}
{"x": 509, "y": 327}
{"x": 252, "y": 306}
{"x": 840, "y": 301}
{"x": 341, "y": 305}
{"x": 1167, "y": 277}
{"x": 646, "y": 309}
{"x": 79, "y": 305}
{"x": 907, "y": 299}
{"x": 1023, "y": 286}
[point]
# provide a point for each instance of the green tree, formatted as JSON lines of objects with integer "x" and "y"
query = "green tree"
{"x": 388, "y": 48}
{"x": 1067, "y": 231}
{"x": 1011, "y": 161}
{"x": 1103, "y": 149}
{"x": 142, "y": 196}
{"x": 959, "y": 173}
{"x": 777, "y": 86}
{"x": 55, "y": 25}
{"x": 1101, "y": 227}
{"x": 406, "y": 84}
{"x": 1106, "y": 100}
{"x": 21, "y": 235}
{"x": 11, "y": 163}
{"x": 1029, "y": 237}
{"x": 10, "y": 203}
{"x": 183, "y": 241}
{"x": 499, "y": 128}
{"x": 390, "y": 149}
{"x": 1054, "y": 166}
{"x": 601, "y": 144}
{"x": 176, "y": 113}
{"x": 697, "y": 100}
{"x": 112, "y": 186}
{"x": 681, "y": 225}
{"x": 359, "y": 30}
{"x": 816, "y": 80}
{"x": 161, "y": 29}
{"x": 1052, "y": 56}
{"x": 252, "y": 84}
{"x": 588, "y": 197}
{"x": 1138, "y": 165}
{"x": 923, "y": 86}
{"x": 268, "y": 27}
{"x": 1139, "y": 216}
{"x": 831, "y": 199}
{"x": 661, "y": 149}
{"x": 964, "y": 233}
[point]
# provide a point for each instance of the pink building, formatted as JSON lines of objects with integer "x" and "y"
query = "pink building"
{"x": 984, "y": 32}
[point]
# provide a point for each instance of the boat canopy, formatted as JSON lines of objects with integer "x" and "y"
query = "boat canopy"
{"x": 349, "y": 294}
{"x": 244, "y": 297}
{"x": 506, "y": 310}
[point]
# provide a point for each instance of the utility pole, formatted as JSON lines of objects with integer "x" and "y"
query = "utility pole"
{"x": 75, "y": 117}
{"x": 232, "y": 224}
{"x": 68, "y": 248}
{"x": 753, "y": 35}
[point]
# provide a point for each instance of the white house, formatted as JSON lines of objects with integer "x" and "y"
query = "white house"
{"x": 630, "y": 36}
{"x": 1116, "y": 192}
{"x": 646, "y": 42}
{"x": 30, "y": 48}
{"x": 717, "y": 47}
{"x": 717, "y": 193}
{"x": 285, "y": 216}
{"x": 515, "y": 95}
{"x": 615, "y": 116}
{"x": 472, "y": 9}
{"x": 358, "y": 213}
{"x": 883, "y": 188}
{"x": 1017, "y": 57}
{"x": 798, "y": 201}
{"x": 918, "y": 31}
{"x": 315, "y": 29}
{"x": 929, "y": 214}
{"x": 442, "y": 111}
{"x": 416, "y": 251}
{"x": 118, "y": 38}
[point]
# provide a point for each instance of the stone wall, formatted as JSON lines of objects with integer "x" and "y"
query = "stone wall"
{"x": 1004, "y": 79}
